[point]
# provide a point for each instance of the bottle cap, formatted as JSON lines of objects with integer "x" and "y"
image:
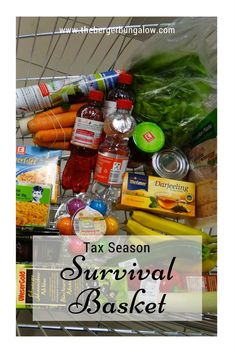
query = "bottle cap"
{"x": 96, "y": 95}
{"x": 124, "y": 104}
{"x": 148, "y": 137}
{"x": 125, "y": 78}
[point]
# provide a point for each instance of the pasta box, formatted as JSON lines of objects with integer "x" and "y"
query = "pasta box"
{"x": 32, "y": 204}
{"x": 38, "y": 165}
{"x": 160, "y": 195}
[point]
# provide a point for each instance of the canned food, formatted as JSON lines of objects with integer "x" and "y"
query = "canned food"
{"x": 170, "y": 163}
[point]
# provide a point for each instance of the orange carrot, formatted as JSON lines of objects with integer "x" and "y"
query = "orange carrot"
{"x": 61, "y": 145}
{"x": 59, "y": 110}
{"x": 52, "y": 122}
{"x": 54, "y": 135}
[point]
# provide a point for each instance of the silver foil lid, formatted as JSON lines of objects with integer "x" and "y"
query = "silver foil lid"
{"x": 170, "y": 163}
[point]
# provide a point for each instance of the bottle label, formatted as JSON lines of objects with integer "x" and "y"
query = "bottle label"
{"x": 110, "y": 107}
{"x": 47, "y": 95}
{"x": 110, "y": 168}
{"x": 30, "y": 99}
{"x": 87, "y": 133}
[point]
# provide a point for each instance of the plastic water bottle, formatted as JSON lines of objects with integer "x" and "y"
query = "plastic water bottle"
{"x": 113, "y": 153}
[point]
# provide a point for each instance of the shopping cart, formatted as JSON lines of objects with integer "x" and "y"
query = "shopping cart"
{"x": 44, "y": 52}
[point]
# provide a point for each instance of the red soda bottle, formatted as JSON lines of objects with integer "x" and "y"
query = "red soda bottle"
{"x": 86, "y": 138}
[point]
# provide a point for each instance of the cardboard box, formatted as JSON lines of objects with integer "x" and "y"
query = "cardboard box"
{"x": 43, "y": 287}
{"x": 32, "y": 204}
{"x": 160, "y": 195}
{"x": 38, "y": 165}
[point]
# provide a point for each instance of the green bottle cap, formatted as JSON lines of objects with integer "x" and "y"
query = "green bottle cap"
{"x": 148, "y": 137}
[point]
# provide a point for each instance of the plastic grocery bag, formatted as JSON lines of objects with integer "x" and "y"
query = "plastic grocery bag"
{"x": 202, "y": 156}
{"x": 175, "y": 78}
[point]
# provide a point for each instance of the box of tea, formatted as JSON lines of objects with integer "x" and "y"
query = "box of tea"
{"x": 160, "y": 195}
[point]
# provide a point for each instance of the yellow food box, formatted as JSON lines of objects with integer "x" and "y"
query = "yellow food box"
{"x": 160, "y": 195}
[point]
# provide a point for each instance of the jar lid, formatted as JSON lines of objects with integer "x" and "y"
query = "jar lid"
{"x": 148, "y": 137}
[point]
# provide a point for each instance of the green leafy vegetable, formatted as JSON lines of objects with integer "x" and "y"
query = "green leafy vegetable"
{"x": 170, "y": 90}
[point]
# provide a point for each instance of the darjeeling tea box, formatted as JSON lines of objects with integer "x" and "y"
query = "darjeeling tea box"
{"x": 160, "y": 195}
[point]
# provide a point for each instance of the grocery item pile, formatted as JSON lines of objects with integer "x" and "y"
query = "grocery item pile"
{"x": 141, "y": 141}
{"x": 104, "y": 135}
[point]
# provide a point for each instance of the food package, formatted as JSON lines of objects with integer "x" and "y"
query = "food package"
{"x": 38, "y": 165}
{"x": 160, "y": 195}
{"x": 202, "y": 154}
{"x": 203, "y": 161}
{"x": 47, "y": 287}
{"x": 203, "y": 170}
{"x": 32, "y": 205}
{"x": 206, "y": 195}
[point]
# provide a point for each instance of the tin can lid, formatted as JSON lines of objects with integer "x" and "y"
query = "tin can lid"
{"x": 148, "y": 137}
{"x": 170, "y": 163}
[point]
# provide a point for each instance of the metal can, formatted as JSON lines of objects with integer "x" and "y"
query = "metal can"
{"x": 170, "y": 163}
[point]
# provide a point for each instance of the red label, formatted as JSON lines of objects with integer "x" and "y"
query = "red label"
{"x": 148, "y": 136}
{"x": 21, "y": 150}
{"x": 22, "y": 278}
{"x": 44, "y": 90}
{"x": 87, "y": 133}
{"x": 110, "y": 169}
